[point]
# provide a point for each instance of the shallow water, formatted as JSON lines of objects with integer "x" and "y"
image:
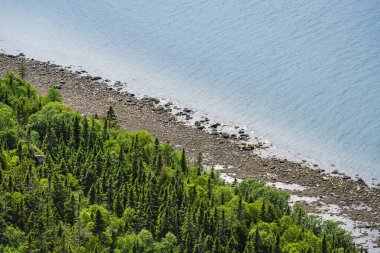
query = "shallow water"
{"x": 304, "y": 75}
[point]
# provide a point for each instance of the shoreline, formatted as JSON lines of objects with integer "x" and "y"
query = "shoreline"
{"x": 88, "y": 95}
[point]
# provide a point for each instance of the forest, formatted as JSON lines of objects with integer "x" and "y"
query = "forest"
{"x": 79, "y": 183}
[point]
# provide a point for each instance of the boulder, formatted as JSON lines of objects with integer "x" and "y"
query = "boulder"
{"x": 225, "y": 135}
{"x": 249, "y": 147}
{"x": 215, "y": 125}
{"x": 96, "y": 78}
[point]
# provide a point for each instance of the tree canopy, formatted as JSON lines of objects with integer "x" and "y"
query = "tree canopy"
{"x": 79, "y": 184}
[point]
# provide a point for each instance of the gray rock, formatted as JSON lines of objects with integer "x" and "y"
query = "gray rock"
{"x": 95, "y": 78}
{"x": 215, "y": 125}
{"x": 225, "y": 135}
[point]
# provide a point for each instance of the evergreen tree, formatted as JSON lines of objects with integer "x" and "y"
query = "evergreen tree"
{"x": 277, "y": 248}
{"x": 183, "y": 161}
{"x": 100, "y": 225}
{"x": 199, "y": 164}
{"x": 111, "y": 118}
{"x": 97, "y": 189}
{"x": 22, "y": 69}
{"x": 76, "y": 132}
{"x": 324, "y": 245}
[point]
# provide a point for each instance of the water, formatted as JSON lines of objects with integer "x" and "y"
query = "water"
{"x": 303, "y": 74}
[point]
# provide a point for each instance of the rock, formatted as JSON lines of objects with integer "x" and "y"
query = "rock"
{"x": 215, "y": 125}
{"x": 149, "y": 99}
{"x": 95, "y": 78}
{"x": 345, "y": 177}
{"x": 187, "y": 110}
{"x": 249, "y": 147}
{"x": 361, "y": 181}
{"x": 225, "y": 135}
{"x": 155, "y": 100}
{"x": 200, "y": 127}
{"x": 197, "y": 123}
{"x": 244, "y": 137}
{"x": 233, "y": 136}
{"x": 21, "y": 55}
{"x": 214, "y": 132}
{"x": 334, "y": 172}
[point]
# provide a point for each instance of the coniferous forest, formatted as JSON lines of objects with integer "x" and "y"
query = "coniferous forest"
{"x": 72, "y": 183}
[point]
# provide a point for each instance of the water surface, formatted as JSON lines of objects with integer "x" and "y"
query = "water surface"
{"x": 303, "y": 74}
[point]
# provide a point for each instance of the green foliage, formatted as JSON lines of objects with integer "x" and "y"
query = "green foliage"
{"x": 53, "y": 95}
{"x": 22, "y": 69}
{"x": 101, "y": 189}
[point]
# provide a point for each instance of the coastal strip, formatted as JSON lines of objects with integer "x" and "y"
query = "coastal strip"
{"x": 91, "y": 95}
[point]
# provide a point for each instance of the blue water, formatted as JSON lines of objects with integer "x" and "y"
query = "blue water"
{"x": 303, "y": 74}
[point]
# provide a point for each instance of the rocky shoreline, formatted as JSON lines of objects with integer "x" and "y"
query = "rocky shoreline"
{"x": 91, "y": 94}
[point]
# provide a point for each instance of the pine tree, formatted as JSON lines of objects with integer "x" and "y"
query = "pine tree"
{"x": 257, "y": 242}
{"x": 118, "y": 206}
{"x": 85, "y": 131}
{"x": 324, "y": 245}
{"x": 111, "y": 118}
{"x": 76, "y": 132}
{"x": 263, "y": 211}
{"x": 277, "y": 248}
{"x": 100, "y": 225}
{"x": 22, "y": 69}
{"x": 199, "y": 164}
{"x": 183, "y": 162}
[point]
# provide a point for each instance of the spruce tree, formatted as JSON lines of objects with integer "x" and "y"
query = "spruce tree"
{"x": 324, "y": 244}
{"x": 76, "y": 132}
{"x": 22, "y": 69}
{"x": 100, "y": 225}
{"x": 199, "y": 164}
{"x": 277, "y": 248}
{"x": 111, "y": 118}
{"x": 183, "y": 162}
